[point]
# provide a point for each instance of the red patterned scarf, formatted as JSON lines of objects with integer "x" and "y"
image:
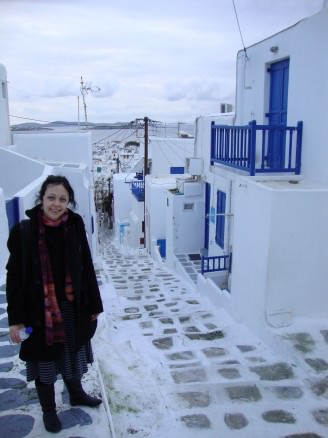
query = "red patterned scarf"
{"x": 54, "y": 327}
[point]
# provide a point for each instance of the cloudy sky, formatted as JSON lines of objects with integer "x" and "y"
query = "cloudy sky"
{"x": 170, "y": 60}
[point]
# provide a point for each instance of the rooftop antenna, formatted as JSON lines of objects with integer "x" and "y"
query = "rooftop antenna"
{"x": 85, "y": 89}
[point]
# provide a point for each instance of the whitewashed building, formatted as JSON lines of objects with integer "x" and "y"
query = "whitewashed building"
{"x": 266, "y": 196}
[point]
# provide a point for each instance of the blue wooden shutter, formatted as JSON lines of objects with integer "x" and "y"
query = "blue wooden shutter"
{"x": 220, "y": 218}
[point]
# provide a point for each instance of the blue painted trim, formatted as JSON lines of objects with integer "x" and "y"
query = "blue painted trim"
{"x": 216, "y": 263}
{"x": 238, "y": 146}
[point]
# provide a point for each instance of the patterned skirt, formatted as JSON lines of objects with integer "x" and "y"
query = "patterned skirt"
{"x": 70, "y": 364}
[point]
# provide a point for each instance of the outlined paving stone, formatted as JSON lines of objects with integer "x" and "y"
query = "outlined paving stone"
{"x": 256, "y": 359}
{"x": 189, "y": 376}
{"x": 209, "y": 336}
{"x": 199, "y": 421}
{"x": 287, "y": 392}
{"x": 321, "y": 416}
{"x": 16, "y": 426}
{"x": 163, "y": 343}
{"x": 246, "y": 348}
{"x": 131, "y": 310}
{"x": 303, "y": 435}
{"x": 4, "y": 336}
{"x": 182, "y": 355}
{"x": 244, "y": 393}
{"x": 278, "y": 416}
{"x": 73, "y": 417}
{"x": 131, "y": 316}
{"x": 321, "y": 388}
{"x": 229, "y": 373}
{"x": 12, "y": 383}
{"x": 325, "y": 335}
{"x": 4, "y": 322}
{"x": 317, "y": 364}
{"x": 302, "y": 342}
{"x": 273, "y": 372}
{"x": 195, "y": 399}
{"x": 235, "y": 421}
{"x": 7, "y": 366}
{"x": 15, "y": 398}
{"x": 214, "y": 351}
{"x": 169, "y": 331}
{"x": 9, "y": 350}
{"x": 150, "y": 307}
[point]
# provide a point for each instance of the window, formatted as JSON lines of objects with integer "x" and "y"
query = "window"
{"x": 220, "y": 218}
{"x": 188, "y": 206}
{"x": 4, "y": 90}
{"x": 176, "y": 170}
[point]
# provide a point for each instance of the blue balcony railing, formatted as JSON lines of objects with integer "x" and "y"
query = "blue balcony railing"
{"x": 138, "y": 189}
{"x": 216, "y": 263}
{"x": 258, "y": 148}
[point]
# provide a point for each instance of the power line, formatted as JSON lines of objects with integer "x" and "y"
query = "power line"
{"x": 27, "y": 118}
{"x": 241, "y": 36}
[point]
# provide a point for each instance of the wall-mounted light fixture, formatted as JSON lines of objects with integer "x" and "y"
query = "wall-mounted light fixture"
{"x": 274, "y": 49}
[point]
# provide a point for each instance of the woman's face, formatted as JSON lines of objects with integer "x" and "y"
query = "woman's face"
{"x": 55, "y": 201}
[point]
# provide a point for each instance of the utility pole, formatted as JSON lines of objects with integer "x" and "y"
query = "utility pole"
{"x": 146, "y": 120}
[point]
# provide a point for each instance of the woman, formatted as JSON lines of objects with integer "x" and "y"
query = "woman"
{"x": 52, "y": 287}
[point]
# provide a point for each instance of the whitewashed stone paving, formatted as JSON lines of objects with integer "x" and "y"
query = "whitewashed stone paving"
{"x": 173, "y": 365}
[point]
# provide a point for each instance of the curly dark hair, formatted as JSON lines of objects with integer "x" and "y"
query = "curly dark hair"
{"x": 56, "y": 180}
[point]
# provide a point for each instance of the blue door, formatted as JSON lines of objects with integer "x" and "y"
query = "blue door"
{"x": 277, "y": 115}
{"x": 207, "y": 214}
{"x": 220, "y": 218}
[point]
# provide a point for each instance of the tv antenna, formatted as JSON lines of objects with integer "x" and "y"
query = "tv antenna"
{"x": 85, "y": 89}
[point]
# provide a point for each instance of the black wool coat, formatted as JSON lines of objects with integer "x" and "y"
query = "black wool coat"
{"x": 24, "y": 286}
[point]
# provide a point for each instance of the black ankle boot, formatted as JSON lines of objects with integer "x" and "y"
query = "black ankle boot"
{"x": 46, "y": 394}
{"x": 51, "y": 421}
{"x": 78, "y": 397}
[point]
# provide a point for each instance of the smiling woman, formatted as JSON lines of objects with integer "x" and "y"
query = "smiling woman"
{"x": 52, "y": 288}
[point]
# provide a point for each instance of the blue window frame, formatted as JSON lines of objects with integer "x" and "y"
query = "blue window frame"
{"x": 176, "y": 170}
{"x": 220, "y": 218}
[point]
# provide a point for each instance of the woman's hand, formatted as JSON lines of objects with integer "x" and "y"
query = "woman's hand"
{"x": 14, "y": 333}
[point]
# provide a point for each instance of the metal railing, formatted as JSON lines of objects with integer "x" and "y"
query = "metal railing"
{"x": 138, "y": 189}
{"x": 258, "y": 148}
{"x": 216, "y": 263}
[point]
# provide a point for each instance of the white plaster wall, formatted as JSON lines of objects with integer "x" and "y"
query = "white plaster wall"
{"x": 279, "y": 265}
{"x": 252, "y": 224}
{"x": 136, "y": 215}
{"x": 4, "y": 232}
{"x": 17, "y": 171}
{"x": 202, "y": 146}
{"x": 182, "y": 224}
{"x": 297, "y": 275}
{"x": 155, "y": 201}
{"x": 306, "y": 45}
{"x": 122, "y": 197}
{"x": 68, "y": 147}
{"x": 4, "y": 109}
{"x": 168, "y": 152}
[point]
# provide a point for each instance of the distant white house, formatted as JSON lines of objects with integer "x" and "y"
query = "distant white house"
{"x": 139, "y": 205}
{"x": 266, "y": 201}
